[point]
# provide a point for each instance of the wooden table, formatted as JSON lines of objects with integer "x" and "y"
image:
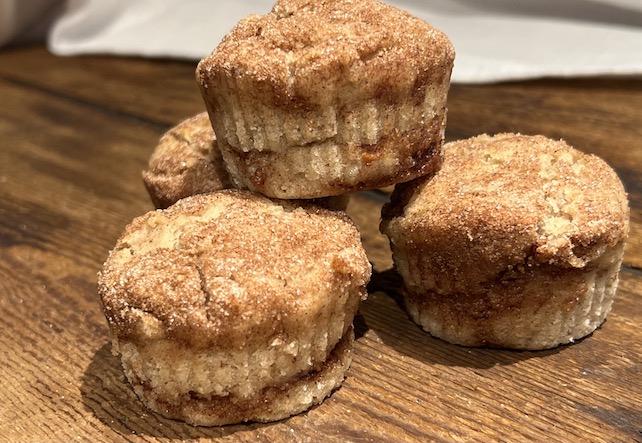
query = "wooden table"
{"x": 75, "y": 134}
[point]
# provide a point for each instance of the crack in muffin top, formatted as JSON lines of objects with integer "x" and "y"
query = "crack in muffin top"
{"x": 515, "y": 199}
{"x": 230, "y": 268}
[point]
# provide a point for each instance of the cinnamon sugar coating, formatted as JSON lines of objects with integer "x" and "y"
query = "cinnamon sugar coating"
{"x": 510, "y": 224}
{"x": 230, "y": 307}
{"x": 331, "y": 88}
{"x": 233, "y": 269}
{"x": 308, "y": 54}
{"x": 186, "y": 161}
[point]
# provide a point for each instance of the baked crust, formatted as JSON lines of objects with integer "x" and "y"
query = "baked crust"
{"x": 509, "y": 221}
{"x": 230, "y": 293}
{"x": 342, "y": 77}
{"x": 305, "y": 55}
{"x": 186, "y": 161}
{"x": 223, "y": 255}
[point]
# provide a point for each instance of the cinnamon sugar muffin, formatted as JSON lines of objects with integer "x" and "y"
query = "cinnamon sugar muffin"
{"x": 186, "y": 161}
{"x": 516, "y": 242}
{"x": 229, "y": 307}
{"x": 328, "y": 97}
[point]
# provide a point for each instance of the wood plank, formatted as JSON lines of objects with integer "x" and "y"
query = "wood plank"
{"x": 159, "y": 91}
{"x": 69, "y": 182}
{"x": 403, "y": 386}
{"x": 365, "y": 210}
{"x": 64, "y": 163}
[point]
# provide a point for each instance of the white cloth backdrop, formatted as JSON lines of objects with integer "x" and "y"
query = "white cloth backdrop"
{"x": 495, "y": 40}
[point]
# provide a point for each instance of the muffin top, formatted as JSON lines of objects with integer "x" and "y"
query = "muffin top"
{"x": 512, "y": 200}
{"x": 186, "y": 161}
{"x": 308, "y": 53}
{"x": 229, "y": 268}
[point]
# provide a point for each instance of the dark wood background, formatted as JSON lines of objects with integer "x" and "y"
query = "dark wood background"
{"x": 75, "y": 134}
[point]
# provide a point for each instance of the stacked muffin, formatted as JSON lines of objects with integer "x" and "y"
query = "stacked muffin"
{"x": 313, "y": 101}
{"x": 237, "y": 305}
{"x": 326, "y": 98}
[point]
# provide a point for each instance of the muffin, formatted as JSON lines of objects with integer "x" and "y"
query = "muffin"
{"x": 229, "y": 307}
{"x": 186, "y": 161}
{"x": 325, "y": 98}
{"x": 516, "y": 242}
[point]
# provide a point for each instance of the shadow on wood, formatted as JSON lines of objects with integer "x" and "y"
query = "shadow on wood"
{"x": 108, "y": 396}
{"x": 384, "y": 313}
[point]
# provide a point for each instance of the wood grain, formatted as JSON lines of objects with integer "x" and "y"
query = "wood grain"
{"x": 158, "y": 92}
{"x": 74, "y": 142}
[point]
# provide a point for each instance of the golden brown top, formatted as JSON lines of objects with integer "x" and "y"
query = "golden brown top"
{"x": 306, "y": 53}
{"x": 186, "y": 161}
{"x": 229, "y": 268}
{"x": 515, "y": 200}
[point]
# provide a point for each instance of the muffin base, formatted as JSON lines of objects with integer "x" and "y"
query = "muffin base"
{"x": 540, "y": 309}
{"x": 272, "y": 403}
{"x": 334, "y": 167}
